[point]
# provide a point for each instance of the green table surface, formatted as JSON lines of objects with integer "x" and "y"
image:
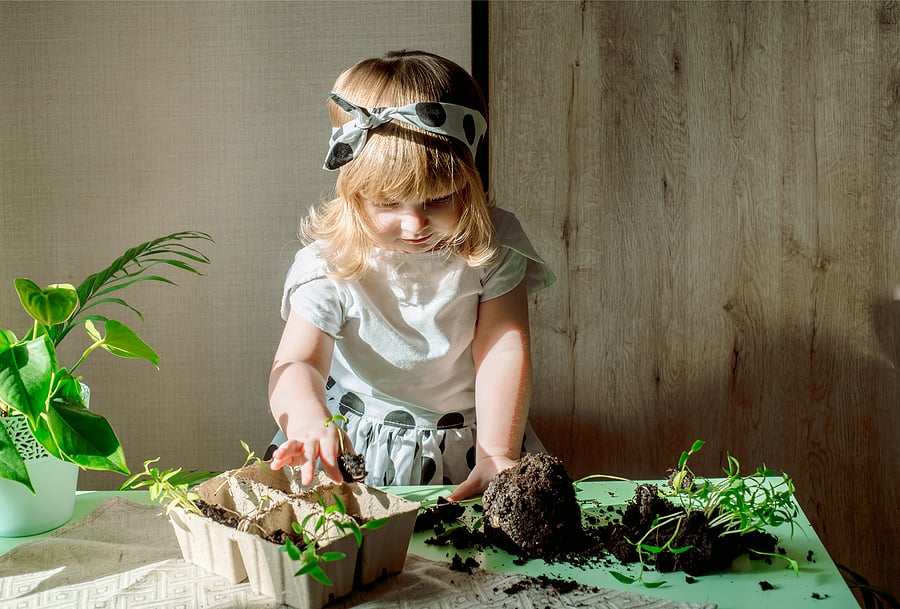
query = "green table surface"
{"x": 737, "y": 588}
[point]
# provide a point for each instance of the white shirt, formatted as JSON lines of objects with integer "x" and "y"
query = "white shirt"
{"x": 403, "y": 333}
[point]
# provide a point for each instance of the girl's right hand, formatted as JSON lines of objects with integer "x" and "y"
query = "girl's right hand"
{"x": 306, "y": 447}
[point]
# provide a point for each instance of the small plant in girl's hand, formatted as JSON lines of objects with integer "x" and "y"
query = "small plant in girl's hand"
{"x": 352, "y": 465}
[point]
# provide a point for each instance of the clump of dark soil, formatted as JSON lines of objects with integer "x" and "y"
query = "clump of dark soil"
{"x": 465, "y": 566}
{"x": 445, "y": 519}
{"x": 708, "y": 549}
{"x": 441, "y": 513}
{"x": 531, "y": 509}
{"x": 352, "y": 466}
{"x": 218, "y": 514}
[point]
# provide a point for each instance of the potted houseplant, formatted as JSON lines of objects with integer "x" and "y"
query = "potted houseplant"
{"x": 46, "y": 428}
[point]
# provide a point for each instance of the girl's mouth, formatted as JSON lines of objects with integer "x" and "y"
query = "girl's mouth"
{"x": 418, "y": 241}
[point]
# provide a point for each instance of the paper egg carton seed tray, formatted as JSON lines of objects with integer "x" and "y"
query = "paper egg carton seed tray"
{"x": 265, "y": 501}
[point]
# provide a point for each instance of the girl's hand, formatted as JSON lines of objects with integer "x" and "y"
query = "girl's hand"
{"x": 303, "y": 450}
{"x": 479, "y": 478}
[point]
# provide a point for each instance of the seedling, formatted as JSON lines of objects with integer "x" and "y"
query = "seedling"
{"x": 171, "y": 487}
{"x": 331, "y": 523}
{"x": 735, "y": 505}
{"x": 352, "y": 466}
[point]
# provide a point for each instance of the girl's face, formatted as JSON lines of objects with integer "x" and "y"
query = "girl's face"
{"x": 412, "y": 226}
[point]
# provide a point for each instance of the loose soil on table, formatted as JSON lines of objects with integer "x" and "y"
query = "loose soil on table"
{"x": 531, "y": 511}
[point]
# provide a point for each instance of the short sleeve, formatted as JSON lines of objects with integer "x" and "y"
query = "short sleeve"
{"x": 516, "y": 260}
{"x": 312, "y": 295}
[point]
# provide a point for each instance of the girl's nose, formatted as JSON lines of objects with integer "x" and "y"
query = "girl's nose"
{"x": 414, "y": 220}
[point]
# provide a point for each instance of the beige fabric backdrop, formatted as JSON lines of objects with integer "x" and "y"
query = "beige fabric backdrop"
{"x": 121, "y": 122}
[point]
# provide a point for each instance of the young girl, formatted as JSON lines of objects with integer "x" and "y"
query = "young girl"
{"x": 407, "y": 311}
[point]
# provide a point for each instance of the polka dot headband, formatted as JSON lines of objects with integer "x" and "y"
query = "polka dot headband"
{"x": 458, "y": 122}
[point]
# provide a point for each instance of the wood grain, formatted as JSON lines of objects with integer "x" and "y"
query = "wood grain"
{"x": 717, "y": 187}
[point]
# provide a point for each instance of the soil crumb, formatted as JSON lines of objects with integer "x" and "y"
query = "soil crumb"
{"x": 465, "y": 566}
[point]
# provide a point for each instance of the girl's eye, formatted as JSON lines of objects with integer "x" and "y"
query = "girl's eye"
{"x": 440, "y": 202}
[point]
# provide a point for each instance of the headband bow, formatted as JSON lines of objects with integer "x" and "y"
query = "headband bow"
{"x": 458, "y": 122}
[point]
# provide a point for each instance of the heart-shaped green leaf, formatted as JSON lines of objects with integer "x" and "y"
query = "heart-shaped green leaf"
{"x": 84, "y": 437}
{"x": 122, "y": 341}
{"x": 26, "y": 375}
{"x": 52, "y": 305}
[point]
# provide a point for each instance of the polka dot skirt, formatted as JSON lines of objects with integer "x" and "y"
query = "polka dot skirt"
{"x": 405, "y": 446}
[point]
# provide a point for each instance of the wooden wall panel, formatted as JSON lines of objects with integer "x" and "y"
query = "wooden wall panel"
{"x": 717, "y": 187}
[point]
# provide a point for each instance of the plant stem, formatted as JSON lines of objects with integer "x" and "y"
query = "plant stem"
{"x": 87, "y": 352}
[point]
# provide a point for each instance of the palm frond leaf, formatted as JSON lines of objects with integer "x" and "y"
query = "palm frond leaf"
{"x": 174, "y": 250}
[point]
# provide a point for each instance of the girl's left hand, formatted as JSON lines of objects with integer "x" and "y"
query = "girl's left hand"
{"x": 482, "y": 474}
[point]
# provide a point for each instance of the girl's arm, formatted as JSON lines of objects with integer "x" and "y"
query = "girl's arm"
{"x": 502, "y": 353}
{"x": 297, "y": 400}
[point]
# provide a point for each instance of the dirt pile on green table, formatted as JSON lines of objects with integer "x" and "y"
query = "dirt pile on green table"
{"x": 531, "y": 509}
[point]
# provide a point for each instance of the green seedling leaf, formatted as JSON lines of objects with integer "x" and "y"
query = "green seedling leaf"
{"x": 353, "y": 528}
{"x": 50, "y": 306}
{"x": 335, "y": 419}
{"x": 319, "y": 575}
{"x": 655, "y": 584}
{"x": 306, "y": 568}
{"x": 332, "y": 556}
{"x": 377, "y": 523}
{"x": 291, "y": 549}
{"x": 339, "y": 504}
{"x": 621, "y": 577}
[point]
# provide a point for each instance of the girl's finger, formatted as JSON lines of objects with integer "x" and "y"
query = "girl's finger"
{"x": 329, "y": 448}
{"x": 286, "y": 454}
{"x": 307, "y": 462}
{"x": 466, "y": 489}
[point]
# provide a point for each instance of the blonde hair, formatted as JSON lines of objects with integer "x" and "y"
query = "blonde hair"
{"x": 402, "y": 162}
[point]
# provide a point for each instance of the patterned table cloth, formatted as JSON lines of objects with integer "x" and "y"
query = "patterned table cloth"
{"x": 125, "y": 554}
